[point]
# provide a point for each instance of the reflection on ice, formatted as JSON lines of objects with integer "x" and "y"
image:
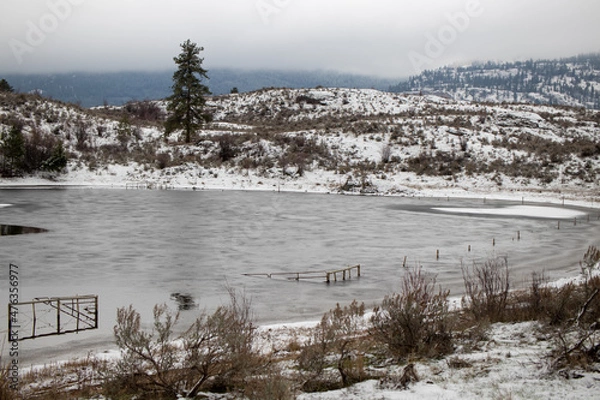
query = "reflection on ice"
{"x": 7, "y": 230}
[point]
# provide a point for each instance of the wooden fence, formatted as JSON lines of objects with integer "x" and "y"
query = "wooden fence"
{"x": 53, "y": 316}
{"x": 327, "y": 276}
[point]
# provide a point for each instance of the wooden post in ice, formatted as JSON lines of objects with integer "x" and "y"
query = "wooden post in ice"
{"x": 518, "y": 235}
{"x": 58, "y": 317}
{"x": 437, "y": 254}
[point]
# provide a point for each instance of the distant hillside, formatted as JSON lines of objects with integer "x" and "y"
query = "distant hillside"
{"x": 349, "y": 140}
{"x": 571, "y": 81}
{"x": 95, "y": 89}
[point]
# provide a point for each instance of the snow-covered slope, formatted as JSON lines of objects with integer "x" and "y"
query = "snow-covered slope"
{"x": 326, "y": 140}
{"x": 572, "y": 81}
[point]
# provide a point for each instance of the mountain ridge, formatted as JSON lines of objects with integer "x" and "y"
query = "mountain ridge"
{"x": 573, "y": 81}
{"x": 118, "y": 88}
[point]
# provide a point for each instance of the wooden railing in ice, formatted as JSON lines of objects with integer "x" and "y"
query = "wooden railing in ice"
{"x": 328, "y": 276}
{"x": 52, "y": 316}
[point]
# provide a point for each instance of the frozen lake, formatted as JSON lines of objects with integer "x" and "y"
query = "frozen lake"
{"x": 139, "y": 246}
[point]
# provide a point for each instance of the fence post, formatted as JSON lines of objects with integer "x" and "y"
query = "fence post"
{"x": 57, "y": 316}
{"x": 96, "y": 312}
{"x": 34, "y": 320}
{"x": 78, "y": 313}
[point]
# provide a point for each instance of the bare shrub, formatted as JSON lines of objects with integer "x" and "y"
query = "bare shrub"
{"x": 590, "y": 260}
{"x": 487, "y": 288}
{"x": 6, "y": 392}
{"x": 81, "y": 136}
{"x": 401, "y": 382}
{"x": 577, "y": 343}
{"x": 145, "y": 110}
{"x": 272, "y": 386}
{"x": 227, "y": 147}
{"x": 416, "y": 322}
{"x": 214, "y": 353}
{"x": 163, "y": 160}
{"x": 544, "y": 303}
{"x": 386, "y": 153}
{"x": 336, "y": 342}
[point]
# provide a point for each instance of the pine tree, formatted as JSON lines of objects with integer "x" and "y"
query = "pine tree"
{"x": 57, "y": 161}
{"x": 5, "y": 87}
{"x": 13, "y": 151}
{"x": 186, "y": 104}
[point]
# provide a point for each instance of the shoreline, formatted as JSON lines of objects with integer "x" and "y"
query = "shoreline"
{"x": 574, "y": 197}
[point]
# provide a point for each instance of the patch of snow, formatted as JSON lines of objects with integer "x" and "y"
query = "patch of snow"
{"x": 518, "y": 211}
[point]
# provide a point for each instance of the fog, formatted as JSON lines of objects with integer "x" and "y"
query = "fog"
{"x": 383, "y": 37}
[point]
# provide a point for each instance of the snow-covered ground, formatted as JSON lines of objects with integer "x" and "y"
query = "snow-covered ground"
{"x": 509, "y": 365}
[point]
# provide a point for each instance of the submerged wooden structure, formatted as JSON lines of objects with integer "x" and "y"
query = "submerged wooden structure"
{"x": 327, "y": 276}
{"x": 51, "y": 316}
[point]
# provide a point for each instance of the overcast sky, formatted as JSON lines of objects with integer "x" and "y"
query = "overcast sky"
{"x": 389, "y": 38}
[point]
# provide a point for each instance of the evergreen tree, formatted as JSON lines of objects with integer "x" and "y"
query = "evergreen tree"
{"x": 13, "y": 151}
{"x": 186, "y": 104}
{"x": 57, "y": 161}
{"x": 5, "y": 87}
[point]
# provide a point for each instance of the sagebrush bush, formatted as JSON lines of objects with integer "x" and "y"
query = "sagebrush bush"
{"x": 417, "y": 321}
{"x": 577, "y": 340}
{"x": 487, "y": 287}
{"x": 271, "y": 386}
{"x": 6, "y": 393}
{"x": 214, "y": 353}
{"x": 337, "y": 341}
